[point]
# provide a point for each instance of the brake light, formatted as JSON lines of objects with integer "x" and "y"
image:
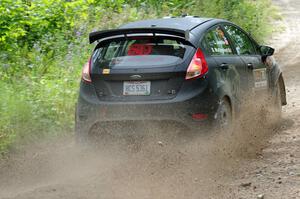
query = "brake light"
{"x": 198, "y": 66}
{"x": 86, "y": 72}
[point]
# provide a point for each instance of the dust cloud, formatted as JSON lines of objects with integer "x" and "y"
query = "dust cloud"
{"x": 150, "y": 160}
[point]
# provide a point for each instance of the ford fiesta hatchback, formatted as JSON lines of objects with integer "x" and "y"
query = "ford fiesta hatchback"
{"x": 188, "y": 70}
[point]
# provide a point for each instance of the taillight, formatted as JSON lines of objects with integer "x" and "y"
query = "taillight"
{"x": 198, "y": 66}
{"x": 86, "y": 72}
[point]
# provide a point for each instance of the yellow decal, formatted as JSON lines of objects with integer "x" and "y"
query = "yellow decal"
{"x": 106, "y": 71}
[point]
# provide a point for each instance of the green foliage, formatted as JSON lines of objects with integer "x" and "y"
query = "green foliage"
{"x": 13, "y": 23}
{"x": 169, "y": 7}
{"x": 25, "y": 23}
{"x": 253, "y": 16}
{"x": 43, "y": 46}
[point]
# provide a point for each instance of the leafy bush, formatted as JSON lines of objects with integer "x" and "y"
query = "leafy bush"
{"x": 43, "y": 46}
{"x": 253, "y": 16}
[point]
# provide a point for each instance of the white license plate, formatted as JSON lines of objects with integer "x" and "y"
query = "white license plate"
{"x": 137, "y": 88}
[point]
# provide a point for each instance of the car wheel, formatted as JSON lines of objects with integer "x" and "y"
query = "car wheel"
{"x": 223, "y": 116}
{"x": 271, "y": 111}
{"x": 277, "y": 104}
{"x": 100, "y": 135}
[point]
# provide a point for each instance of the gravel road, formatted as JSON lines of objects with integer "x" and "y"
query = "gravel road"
{"x": 163, "y": 167}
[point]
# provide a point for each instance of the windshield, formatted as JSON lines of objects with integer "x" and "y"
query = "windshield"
{"x": 137, "y": 52}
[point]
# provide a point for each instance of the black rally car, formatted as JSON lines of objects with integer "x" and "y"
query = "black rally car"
{"x": 186, "y": 70}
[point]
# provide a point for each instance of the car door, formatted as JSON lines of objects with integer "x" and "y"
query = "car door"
{"x": 230, "y": 70}
{"x": 248, "y": 51}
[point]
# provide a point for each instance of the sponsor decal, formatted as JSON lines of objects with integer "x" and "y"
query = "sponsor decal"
{"x": 260, "y": 78}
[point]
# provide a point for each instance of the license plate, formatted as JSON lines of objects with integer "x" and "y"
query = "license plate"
{"x": 137, "y": 88}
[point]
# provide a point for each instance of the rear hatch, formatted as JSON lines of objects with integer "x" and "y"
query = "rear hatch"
{"x": 140, "y": 68}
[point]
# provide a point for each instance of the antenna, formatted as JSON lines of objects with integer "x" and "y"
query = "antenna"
{"x": 184, "y": 15}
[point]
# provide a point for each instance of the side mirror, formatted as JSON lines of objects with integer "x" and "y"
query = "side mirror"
{"x": 266, "y": 51}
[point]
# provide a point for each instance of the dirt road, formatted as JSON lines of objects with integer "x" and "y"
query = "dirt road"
{"x": 173, "y": 168}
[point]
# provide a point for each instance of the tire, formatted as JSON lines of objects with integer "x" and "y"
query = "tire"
{"x": 100, "y": 135}
{"x": 271, "y": 110}
{"x": 82, "y": 139}
{"x": 276, "y": 108}
{"x": 114, "y": 135}
{"x": 223, "y": 117}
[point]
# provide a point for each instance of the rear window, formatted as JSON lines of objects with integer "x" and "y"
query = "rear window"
{"x": 139, "y": 52}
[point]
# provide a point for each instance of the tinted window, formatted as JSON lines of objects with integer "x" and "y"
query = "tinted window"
{"x": 216, "y": 43}
{"x": 241, "y": 41}
{"x": 136, "y": 52}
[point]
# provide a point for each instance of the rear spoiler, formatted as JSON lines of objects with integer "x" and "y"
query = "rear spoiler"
{"x": 94, "y": 36}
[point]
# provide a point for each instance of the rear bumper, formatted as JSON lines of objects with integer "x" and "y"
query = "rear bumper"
{"x": 89, "y": 112}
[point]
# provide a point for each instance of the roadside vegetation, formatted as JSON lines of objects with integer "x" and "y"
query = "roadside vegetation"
{"x": 44, "y": 44}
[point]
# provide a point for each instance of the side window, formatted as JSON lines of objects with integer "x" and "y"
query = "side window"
{"x": 216, "y": 43}
{"x": 241, "y": 41}
{"x": 111, "y": 50}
